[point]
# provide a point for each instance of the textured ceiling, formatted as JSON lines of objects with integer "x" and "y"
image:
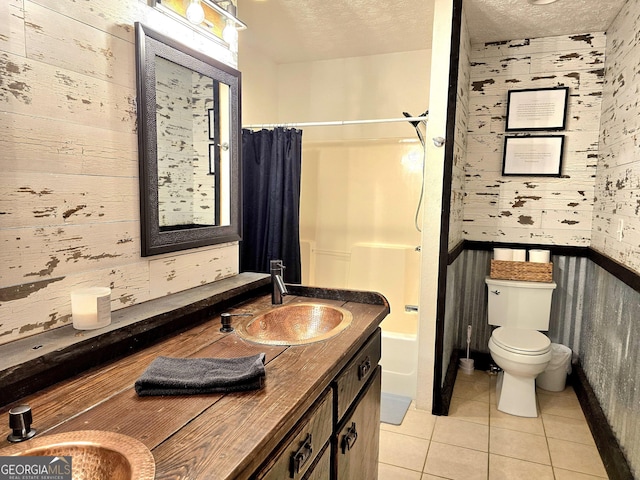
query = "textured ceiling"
{"x": 495, "y": 20}
{"x": 290, "y": 31}
{"x": 303, "y": 30}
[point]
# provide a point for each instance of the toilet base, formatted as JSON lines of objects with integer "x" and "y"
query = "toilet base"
{"x": 516, "y": 395}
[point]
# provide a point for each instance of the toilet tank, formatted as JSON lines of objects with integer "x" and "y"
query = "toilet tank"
{"x": 519, "y": 304}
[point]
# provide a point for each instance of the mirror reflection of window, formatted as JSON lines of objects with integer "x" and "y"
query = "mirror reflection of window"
{"x": 192, "y": 125}
{"x": 224, "y": 184}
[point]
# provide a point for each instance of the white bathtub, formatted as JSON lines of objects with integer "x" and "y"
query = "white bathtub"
{"x": 399, "y": 363}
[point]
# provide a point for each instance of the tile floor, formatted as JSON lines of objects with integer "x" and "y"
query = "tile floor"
{"x": 476, "y": 441}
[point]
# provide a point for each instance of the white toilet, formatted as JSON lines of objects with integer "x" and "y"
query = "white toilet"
{"x": 519, "y": 309}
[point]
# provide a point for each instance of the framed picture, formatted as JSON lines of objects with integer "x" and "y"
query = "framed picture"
{"x": 537, "y": 109}
{"x": 539, "y": 156}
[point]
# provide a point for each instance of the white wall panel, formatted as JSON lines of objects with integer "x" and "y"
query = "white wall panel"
{"x": 69, "y": 200}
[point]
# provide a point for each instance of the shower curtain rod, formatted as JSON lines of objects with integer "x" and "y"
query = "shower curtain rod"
{"x": 331, "y": 124}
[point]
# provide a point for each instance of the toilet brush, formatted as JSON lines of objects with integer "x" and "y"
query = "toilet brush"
{"x": 466, "y": 364}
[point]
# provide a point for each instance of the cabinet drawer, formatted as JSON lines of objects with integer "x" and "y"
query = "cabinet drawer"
{"x": 358, "y": 438}
{"x": 322, "y": 469}
{"x": 354, "y": 376}
{"x": 306, "y": 441}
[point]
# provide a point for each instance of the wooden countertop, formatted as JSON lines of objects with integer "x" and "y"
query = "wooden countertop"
{"x": 206, "y": 436}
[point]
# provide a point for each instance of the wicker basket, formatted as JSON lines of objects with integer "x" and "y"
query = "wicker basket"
{"x": 527, "y": 271}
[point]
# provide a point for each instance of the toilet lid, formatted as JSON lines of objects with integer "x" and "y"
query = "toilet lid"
{"x": 522, "y": 341}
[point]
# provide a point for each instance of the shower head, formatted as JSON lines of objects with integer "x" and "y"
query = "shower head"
{"x": 408, "y": 115}
{"x": 415, "y": 123}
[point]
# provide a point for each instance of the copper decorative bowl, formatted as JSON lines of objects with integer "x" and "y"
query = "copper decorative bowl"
{"x": 95, "y": 455}
{"x": 295, "y": 324}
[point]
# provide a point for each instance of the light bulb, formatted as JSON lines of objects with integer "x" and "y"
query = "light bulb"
{"x": 230, "y": 35}
{"x": 195, "y": 12}
{"x": 412, "y": 160}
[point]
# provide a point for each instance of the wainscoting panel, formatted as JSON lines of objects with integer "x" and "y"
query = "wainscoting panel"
{"x": 473, "y": 294}
{"x": 453, "y": 311}
{"x": 569, "y": 273}
{"x": 610, "y": 355}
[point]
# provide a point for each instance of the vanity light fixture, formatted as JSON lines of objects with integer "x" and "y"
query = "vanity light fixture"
{"x": 196, "y": 15}
{"x": 541, "y": 2}
{"x": 227, "y": 8}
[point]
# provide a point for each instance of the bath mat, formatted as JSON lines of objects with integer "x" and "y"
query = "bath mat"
{"x": 393, "y": 408}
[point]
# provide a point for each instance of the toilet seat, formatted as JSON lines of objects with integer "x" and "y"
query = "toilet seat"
{"x": 521, "y": 341}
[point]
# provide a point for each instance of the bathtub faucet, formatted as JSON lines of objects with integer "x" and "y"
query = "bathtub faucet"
{"x": 278, "y": 288}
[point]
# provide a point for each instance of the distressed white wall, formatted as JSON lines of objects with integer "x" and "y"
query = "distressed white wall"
{"x": 69, "y": 198}
{"x": 186, "y": 190}
{"x": 456, "y": 218}
{"x": 453, "y": 304}
{"x": 616, "y": 229}
{"x": 554, "y": 211}
{"x": 609, "y": 339}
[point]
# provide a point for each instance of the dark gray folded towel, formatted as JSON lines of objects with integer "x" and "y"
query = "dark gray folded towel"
{"x": 193, "y": 376}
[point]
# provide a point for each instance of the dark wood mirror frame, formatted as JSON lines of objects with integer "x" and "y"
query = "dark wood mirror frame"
{"x": 150, "y": 44}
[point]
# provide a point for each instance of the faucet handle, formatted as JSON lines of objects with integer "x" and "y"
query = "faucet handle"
{"x": 276, "y": 264}
{"x": 225, "y": 320}
{"x": 20, "y": 419}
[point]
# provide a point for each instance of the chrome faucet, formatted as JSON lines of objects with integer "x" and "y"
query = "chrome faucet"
{"x": 278, "y": 288}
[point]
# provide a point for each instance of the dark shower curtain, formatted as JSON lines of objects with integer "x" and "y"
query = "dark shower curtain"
{"x": 271, "y": 168}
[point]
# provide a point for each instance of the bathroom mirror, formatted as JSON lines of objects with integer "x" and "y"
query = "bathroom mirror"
{"x": 189, "y": 146}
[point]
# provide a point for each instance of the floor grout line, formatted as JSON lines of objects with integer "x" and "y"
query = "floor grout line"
{"x": 493, "y": 424}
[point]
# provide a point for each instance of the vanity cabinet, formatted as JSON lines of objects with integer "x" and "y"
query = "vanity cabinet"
{"x": 316, "y": 397}
{"x": 322, "y": 469}
{"x": 338, "y": 437}
{"x": 357, "y": 424}
{"x": 356, "y": 440}
{"x": 354, "y": 376}
{"x": 299, "y": 451}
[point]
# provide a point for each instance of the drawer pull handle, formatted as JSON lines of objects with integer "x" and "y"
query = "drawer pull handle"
{"x": 364, "y": 368}
{"x": 299, "y": 458}
{"x": 349, "y": 438}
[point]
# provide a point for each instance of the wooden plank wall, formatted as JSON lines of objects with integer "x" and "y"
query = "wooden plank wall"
{"x": 533, "y": 209}
{"x": 460, "y": 147}
{"x": 453, "y": 300}
{"x": 186, "y": 189}
{"x": 69, "y": 158}
{"x": 617, "y": 186}
{"x": 610, "y": 351}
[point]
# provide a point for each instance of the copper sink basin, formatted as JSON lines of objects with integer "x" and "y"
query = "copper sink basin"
{"x": 296, "y": 324}
{"x": 95, "y": 455}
